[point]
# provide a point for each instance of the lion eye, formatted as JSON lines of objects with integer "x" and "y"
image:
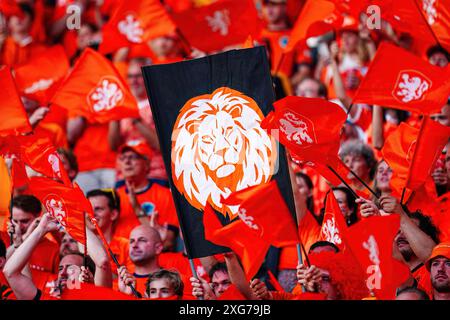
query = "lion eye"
{"x": 207, "y": 140}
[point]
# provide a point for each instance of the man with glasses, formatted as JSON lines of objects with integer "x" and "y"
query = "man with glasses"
{"x": 142, "y": 128}
{"x": 144, "y": 201}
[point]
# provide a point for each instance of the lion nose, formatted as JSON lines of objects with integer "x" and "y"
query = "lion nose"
{"x": 220, "y": 144}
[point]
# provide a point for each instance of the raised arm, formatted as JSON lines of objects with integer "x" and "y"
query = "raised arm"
{"x": 22, "y": 285}
{"x": 421, "y": 243}
{"x": 237, "y": 276}
{"x": 96, "y": 250}
{"x": 75, "y": 129}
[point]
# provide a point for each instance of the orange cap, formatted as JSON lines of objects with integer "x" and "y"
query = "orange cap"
{"x": 138, "y": 146}
{"x": 441, "y": 250}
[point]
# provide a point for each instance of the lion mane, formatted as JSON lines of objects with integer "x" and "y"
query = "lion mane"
{"x": 248, "y": 160}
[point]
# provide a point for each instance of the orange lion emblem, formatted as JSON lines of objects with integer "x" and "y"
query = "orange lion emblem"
{"x": 219, "y": 147}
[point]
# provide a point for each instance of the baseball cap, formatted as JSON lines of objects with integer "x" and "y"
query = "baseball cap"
{"x": 441, "y": 250}
{"x": 138, "y": 146}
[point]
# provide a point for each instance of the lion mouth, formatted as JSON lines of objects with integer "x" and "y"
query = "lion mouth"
{"x": 225, "y": 170}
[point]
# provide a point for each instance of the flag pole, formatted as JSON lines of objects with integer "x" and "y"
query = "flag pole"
{"x": 11, "y": 234}
{"x": 111, "y": 254}
{"x": 184, "y": 41}
{"x": 364, "y": 184}
{"x": 343, "y": 181}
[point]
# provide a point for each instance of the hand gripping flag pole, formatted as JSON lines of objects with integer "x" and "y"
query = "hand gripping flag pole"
{"x": 111, "y": 254}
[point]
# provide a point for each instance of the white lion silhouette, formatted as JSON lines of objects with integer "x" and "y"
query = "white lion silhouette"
{"x": 295, "y": 129}
{"x": 331, "y": 232}
{"x": 411, "y": 88}
{"x": 131, "y": 29}
{"x": 57, "y": 210}
{"x": 219, "y": 147}
{"x": 106, "y": 95}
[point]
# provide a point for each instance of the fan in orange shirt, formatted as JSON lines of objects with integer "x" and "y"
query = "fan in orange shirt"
{"x": 44, "y": 260}
{"x": 106, "y": 205}
{"x": 142, "y": 128}
{"x": 276, "y": 36}
{"x": 145, "y": 248}
{"x": 19, "y": 46}
{"x": 142, "y": 198}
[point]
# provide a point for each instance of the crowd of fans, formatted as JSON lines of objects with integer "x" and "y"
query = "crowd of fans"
{"x": 120, "y": 168}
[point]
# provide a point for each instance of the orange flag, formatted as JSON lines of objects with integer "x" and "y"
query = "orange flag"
{"x": 245, "y": 242}
{"x": 18, "y": 174}
{"x": 412, "y": 153}
{"x": 308, "y": 127}
{"x": 5, "y": 188}
{"x": 11, "y": 107}
{"x": 89, "y": 291}
{"x": 437, "y": 14}
{"x": 311, "y": 137}
{"x": 223, "y": 23}
{"x": 399, "y": 79}
{"x": 135, "y": 22}
{"x": 431, "y": 140}
{"x": 64, "y": 203}
{"x": 40, "y": 154}
{"x": 40, "y": 76}
{"x": 405, "y": 17}
{"x": 334, "y": 227}
{"x": 94, "y": 89}
{"x": 370, "y": 241}
{"x": 232, "y": 293}
{"x": 313, "y": 11}
{"x": 270, "y": 218}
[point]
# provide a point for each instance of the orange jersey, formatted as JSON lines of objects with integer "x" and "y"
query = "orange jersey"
{"x": 120, "y": 248}
{"x": 44, "y": 262}
{"x": 276, "y": 42}
{"x": 154, "y": 198}
{"x": 92, "y": 149}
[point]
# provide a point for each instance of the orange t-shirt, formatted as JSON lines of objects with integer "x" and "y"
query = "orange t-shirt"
{"x": 277, "y": 41}
{"x": 44, "y": 262}
{"x": 120, "y": 248}
{"x": 154, "y": 198}
{"x": 92, "y": 149}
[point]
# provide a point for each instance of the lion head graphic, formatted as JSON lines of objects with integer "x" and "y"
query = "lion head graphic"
{"x": 219, "y": 147}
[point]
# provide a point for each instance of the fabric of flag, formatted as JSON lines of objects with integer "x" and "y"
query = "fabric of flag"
{"x": 405, "y": 16}
{"x": 397, "y": 78}
{"x": 5, "y": 188}
{"x": 14, "y": 117}
{"x": 334, "y": 227}
{"x": 371, "y": 241}
{"x": 66, "y": 204}
{"x": 19, "y": 174}
{"x": 437, "y": 15}
{"x": 270, "y": 217}
{"x": 135, "y": 22}
{"x": 308, "y": 127}
{"x": 245, "y": 242}
{"x": 89, "y": 291}
{"x": 222, "y": 23}
{"x": 412, "y": 153}
{"x": 312, "y": 12}
{"x": 210, "y": 135}
{"x": 40, "y": 154}
{"x": 39, "y": 78}
{"x": 95, "y": 90}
